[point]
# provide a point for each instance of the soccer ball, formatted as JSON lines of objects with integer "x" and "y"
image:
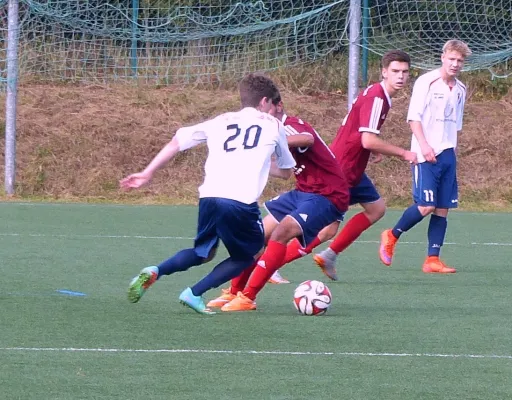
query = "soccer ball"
{"x": 312, "y": 298}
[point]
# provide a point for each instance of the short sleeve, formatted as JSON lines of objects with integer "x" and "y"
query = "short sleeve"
{"x": 418, "y": 100}
{"x": 297, "y": 128}
{"x": 370, "y": 114}
{"x": 284, "y": 157}
{"x": 191, "y": 136}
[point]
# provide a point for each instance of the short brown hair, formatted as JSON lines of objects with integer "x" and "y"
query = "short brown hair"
{"x": 458, "y": 46}
{"x": 255, "y": 87}
{"x": 394, "y": 55}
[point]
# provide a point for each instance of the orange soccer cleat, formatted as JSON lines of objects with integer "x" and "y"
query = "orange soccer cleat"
{"x": 224, "y": 298}
{"x": 433, "y": 265}
{"x": 240, "y": 303}
{"x": 387, "y": 247}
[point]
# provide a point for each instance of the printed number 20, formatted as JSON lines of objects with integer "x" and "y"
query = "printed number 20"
{"x": 251, "y": 137}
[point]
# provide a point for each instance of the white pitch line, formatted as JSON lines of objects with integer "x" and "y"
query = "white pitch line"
{"x": 254, "y": 352}
{"x": 191, "y": 238}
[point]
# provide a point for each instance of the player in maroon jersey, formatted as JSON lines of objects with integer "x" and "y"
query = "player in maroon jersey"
{"x": 321, "y": 197}
{"x": 357, "y": 138}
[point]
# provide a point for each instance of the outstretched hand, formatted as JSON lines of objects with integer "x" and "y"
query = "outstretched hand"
{"x": 135, "y": 181}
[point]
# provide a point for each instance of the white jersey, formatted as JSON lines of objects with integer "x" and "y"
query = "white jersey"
{"x": 240, "y": 148}
{"x": 439, "y": 108}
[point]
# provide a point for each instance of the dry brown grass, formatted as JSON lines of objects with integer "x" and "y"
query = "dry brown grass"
{"x": 76, "y": 142}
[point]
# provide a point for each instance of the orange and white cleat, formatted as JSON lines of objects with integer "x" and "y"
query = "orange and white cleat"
{"x": 224, "y": 298}
{"x": 326, "y": 261}
{"x": 433, "y": 265}
{"x": 277, "y": 279}
{"x": 240, "y": 303}
{"x": 387, "y": 247}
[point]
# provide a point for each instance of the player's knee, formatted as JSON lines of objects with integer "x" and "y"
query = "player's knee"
{"x": 211, "y": 255}
{"x": 426, "y": 210}
{"x": 441, "y": 212}
{"x": 378, "y": 214}
{"x": 375, "y": 211}
{"x": 282, "y": 236}
{"x": 269, "y": 225}
{"x": 329, "y": 232}
{"x": 287, "y": 229}
{"x": 260, "y": 253}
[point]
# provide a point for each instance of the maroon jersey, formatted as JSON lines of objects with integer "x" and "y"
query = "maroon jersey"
{"x": 368, "y": 113}
{"x": 317, "y": 171}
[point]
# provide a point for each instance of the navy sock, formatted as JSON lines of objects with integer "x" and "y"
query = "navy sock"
{"x": 436, "y": 234}
{"x": 409, "y": 218}
{"x": 222, "y": 273}
{"x": 181, "y": 261}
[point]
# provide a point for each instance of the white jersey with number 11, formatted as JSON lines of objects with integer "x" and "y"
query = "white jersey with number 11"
{"x": 439, "y": 108}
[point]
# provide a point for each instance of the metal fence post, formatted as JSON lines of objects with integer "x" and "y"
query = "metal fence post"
{"x": 12, "y": 91}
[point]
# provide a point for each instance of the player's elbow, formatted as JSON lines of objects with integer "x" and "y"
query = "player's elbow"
{"x": 307, "y": 141}
{"x": 303, "y": 141}
{"x": 286, "y": 173}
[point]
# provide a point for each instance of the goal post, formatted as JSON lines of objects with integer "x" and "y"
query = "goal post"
{"x": 354, "y": 50}
{"x": 12, "y": 91}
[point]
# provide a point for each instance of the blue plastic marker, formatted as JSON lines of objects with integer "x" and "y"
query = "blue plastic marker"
{"x": 70, "y": 292}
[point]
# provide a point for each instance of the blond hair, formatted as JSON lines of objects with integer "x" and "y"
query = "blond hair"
{"x": 458, "y": 46}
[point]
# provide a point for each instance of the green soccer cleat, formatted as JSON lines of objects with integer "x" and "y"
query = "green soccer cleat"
{"x": 196, "y": 303}
{"x": 141, "y": 283}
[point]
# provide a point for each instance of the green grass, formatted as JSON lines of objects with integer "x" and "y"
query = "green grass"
{"x": 140, "y": 199}
{"x": 392, "y": 333}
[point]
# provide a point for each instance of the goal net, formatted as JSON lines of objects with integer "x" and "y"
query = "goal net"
{"x": 189, "y": 41}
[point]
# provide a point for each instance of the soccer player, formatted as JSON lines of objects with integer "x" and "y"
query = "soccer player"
{"x": 435, "y": 117}
{"x": 320, "y": 198}
{"x": 240, "y": 148}
{"x": 357, "y": 138}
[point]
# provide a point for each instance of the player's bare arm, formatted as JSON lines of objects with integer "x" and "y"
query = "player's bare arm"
{"x": 371, "y": 141}
{"x": 300, "y": 140}
{"x": 426, "y": 149}
{"x": 281, "y": 173}
{"x": 139, "y": 179}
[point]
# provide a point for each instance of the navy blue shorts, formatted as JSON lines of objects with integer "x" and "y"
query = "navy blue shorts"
{"x": 436, "y": 184}
{"x": 312, "y": 212}
{"x": 364, "y": 192}
{"x": 238, "y": 225}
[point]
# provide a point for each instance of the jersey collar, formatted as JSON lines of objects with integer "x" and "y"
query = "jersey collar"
{"x": 284, "y": 118}
{"x": 386, "y": 92}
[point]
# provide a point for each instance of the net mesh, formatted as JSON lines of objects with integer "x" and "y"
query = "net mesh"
{"x": 421, "y": 27}
{"x": 187, "y": 41}
{"x": 173, "y": 41}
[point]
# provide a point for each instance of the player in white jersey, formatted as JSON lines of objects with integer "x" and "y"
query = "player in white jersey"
{"x": 240, "y": 149}
{"x": 435, "y": 117}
